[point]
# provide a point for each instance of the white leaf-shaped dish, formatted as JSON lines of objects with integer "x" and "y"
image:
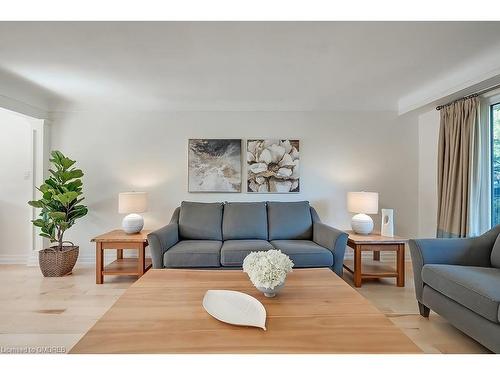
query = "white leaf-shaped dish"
{"x": 235, "y": 308}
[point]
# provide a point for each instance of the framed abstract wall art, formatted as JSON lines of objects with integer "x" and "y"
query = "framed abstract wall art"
{"x": 214, "y": 165}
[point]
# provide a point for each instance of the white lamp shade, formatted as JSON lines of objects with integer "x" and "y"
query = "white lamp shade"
{"x": 132, "y": 202}
{"x": 362, "y": 202}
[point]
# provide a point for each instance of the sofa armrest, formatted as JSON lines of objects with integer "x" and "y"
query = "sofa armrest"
{"x": 475, "y": 251}
{"x": 161, "y": 240}
{"x": 333, "y": 239}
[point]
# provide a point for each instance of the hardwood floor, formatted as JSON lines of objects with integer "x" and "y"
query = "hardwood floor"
{"x": 37, "y": 311}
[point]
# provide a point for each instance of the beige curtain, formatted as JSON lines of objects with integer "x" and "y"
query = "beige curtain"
{"x": 455, "y": 164}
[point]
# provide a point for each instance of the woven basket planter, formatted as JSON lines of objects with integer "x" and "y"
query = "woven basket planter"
{"x": 57, "y": 263}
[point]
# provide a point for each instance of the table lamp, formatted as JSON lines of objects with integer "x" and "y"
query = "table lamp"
{"x": 362, "y": 203}
{"x": 132, "y": 203}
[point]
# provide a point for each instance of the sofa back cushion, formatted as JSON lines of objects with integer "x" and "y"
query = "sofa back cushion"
{"x": 289, "y": 220}
{"x": 495, "y": 253}
{"x": 200, "y": 221}
{"x": 244, "y": 221}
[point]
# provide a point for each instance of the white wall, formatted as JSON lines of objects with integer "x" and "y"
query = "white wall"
{"x": 340, "y": 152}
{"x": 15, "y": 187}
{"x": 428, "y": 137}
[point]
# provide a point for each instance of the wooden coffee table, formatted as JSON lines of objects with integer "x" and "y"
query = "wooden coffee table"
{"x": 316, "y": 312}
{"x": 119, "y": 240}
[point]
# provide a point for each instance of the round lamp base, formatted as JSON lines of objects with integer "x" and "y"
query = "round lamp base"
{"x": 132, "y": 223}
{"x": 362, "y": 224}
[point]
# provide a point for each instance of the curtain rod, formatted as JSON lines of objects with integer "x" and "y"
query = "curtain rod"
{"x": 439, "y": 107}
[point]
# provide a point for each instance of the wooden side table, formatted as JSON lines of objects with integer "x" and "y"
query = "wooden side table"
{"x": 376, "y": 243}
{"x": 119, "y": 240}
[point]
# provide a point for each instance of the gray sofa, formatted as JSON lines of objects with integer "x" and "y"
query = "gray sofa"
{"x": 221, "y": 235}
{"x": 459, "y": 279}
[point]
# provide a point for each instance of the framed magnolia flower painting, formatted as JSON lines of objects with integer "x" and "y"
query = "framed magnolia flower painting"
{"x": 273, "y": 166}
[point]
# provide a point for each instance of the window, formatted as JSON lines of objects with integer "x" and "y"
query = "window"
{"x": 494, "y": 116}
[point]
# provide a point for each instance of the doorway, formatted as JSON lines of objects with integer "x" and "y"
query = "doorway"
{"x": 18, "y": 177}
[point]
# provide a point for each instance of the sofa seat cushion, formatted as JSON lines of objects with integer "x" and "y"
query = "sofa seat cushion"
{"x": 193, "y": 253}
{"x": 244, "y": 220}
{"x": 477, "y": 288}
{"x": 200, "y": 221}
{"x": 234, "y": 251}
{"x": 289, "y": 220}
{"x": 305, "y": 253}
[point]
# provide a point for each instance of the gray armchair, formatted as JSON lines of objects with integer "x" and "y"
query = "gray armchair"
{"x": 459, "y": 278}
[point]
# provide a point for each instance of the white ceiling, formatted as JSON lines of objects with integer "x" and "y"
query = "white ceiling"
{"x": 59, "y": 66}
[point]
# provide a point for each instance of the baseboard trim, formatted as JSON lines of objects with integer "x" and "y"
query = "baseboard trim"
{"x": 14, "y": 259}
{"x": 32, "y": 261}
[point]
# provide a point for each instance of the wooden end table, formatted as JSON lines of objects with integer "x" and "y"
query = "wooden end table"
{"x": 119, "y": 240}
{"x": 376, "y": 243}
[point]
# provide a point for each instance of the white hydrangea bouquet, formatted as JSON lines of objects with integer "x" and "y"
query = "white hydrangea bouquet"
{"x": 267, "y": 270}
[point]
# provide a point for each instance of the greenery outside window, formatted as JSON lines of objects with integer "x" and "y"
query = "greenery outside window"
{"x": 494, "y": 117}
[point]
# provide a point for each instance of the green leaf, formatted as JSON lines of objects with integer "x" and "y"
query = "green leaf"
{"x": 72, "y": 195}
{"x": 55, "y": 205}
{"x": 56, "y": 156}
{"x": 66, "y": 162}
{"x": 38, "y": 223}
{"x": 78, "y": 212}
{"x": 70, "y": 175}
{"x": 45, "y": 188}
{"x": 64, "y": 225}
{"x": 51, "y": 182}
{"x": 66, "y": 198}
{"x": 74, "y": 185}
{"x": 49, "y": 229}
{"x": 79, "y": 199}
{"x": 36, "y": 204}
{"x": 57, "y": 215}
{"x": 47, "y": 236}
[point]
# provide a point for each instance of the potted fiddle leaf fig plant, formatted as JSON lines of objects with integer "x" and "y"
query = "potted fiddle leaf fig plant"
{"x": 60, "y": 208}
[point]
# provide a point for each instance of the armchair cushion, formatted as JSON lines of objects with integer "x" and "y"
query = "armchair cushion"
{"x": 234, "y": 251}
{"x": 246, "y": 220}
{"x": 200, "y": 221}
{"x": 289, "y": 220}
{"x": 495, "y": 253}
{"x": 193, "y": 253}
{"x": 305, "y": 253}
{"x": 477, "y": 288}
